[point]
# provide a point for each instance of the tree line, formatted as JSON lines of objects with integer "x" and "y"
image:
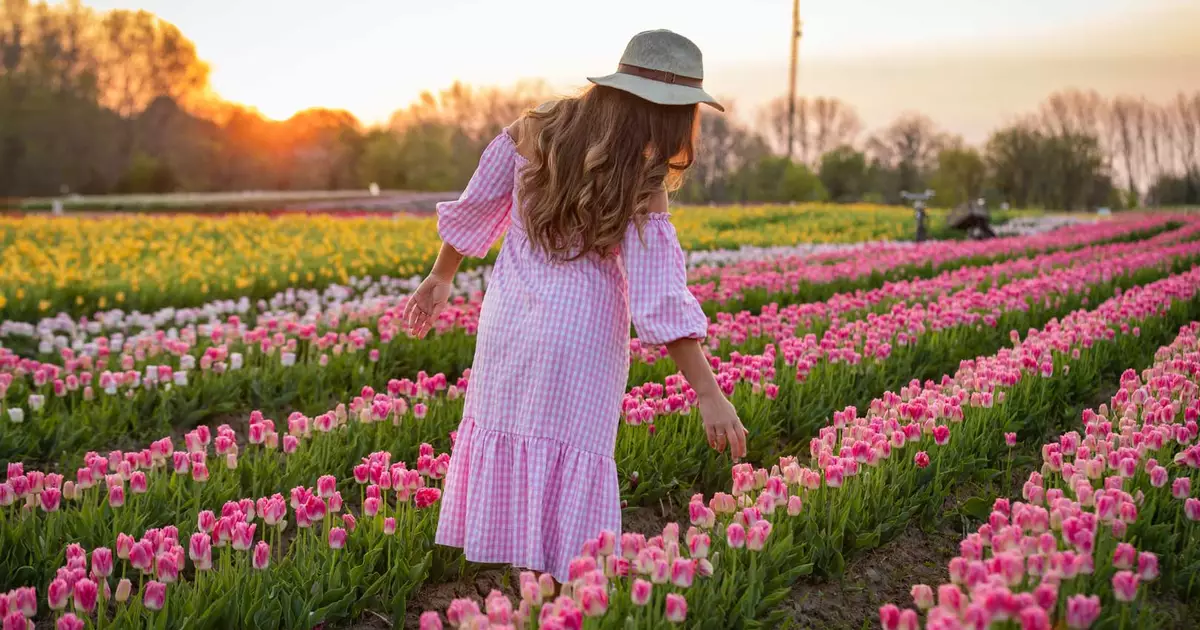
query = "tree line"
{"x": 119, "y": 102}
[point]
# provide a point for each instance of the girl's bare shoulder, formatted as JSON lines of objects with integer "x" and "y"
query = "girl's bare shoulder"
{"x": 523, "y": 131}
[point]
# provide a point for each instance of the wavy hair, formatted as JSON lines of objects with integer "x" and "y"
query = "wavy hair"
{"x": 598, "y": 159}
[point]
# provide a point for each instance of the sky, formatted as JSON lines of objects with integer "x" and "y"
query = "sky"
{"x": 969, "y": 64}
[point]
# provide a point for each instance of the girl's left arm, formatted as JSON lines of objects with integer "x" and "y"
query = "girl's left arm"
{"x": 468, "y": 226}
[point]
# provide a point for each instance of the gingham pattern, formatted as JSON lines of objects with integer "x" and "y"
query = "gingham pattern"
{"x": 533, "y": 476}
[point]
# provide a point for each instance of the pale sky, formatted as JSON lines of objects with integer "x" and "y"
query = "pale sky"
{"x": 969, "y": 64}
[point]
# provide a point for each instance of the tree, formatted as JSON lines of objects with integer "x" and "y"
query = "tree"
{"x": 777, "y": 179}
{"x": 821, "y": 124}
{"x": 961, "y": 174}
{"x": 909, "y": 145}
{"x": 143, "y": 57}
{"x": 844, "y": 174}
{"x": 1014, "y": 158}
{"x": 1128, "y": 123}
{"x": 723, "y": 149}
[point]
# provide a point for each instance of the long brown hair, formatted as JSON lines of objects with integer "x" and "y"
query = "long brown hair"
{"x": 598, "y": 160}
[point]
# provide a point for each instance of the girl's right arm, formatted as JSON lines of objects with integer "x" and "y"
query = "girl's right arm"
{"x": 721, "y": 422}
{"x": 666, "y": 313}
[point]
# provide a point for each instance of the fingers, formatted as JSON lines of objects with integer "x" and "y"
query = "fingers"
{"x": 737, "y": 441}
{"x": 712, "y": 436}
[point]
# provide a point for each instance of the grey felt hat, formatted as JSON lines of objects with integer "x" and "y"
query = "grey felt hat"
{"x": 662, "y": 67}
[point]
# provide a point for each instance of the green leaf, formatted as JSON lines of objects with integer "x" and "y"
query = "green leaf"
{"x": 977, "y": 508}
{"x": 985, "y": 474}
{"x": 867, "y": 541}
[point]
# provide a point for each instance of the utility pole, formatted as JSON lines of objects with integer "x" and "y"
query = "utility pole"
{"x": 792, "y": 76}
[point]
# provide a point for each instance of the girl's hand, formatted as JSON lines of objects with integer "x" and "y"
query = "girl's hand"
{"x": 425, "y": 304}
{"x": 722, "y": 425}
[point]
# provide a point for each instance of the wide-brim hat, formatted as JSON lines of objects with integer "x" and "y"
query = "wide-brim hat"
{"x": 662, "y": 67}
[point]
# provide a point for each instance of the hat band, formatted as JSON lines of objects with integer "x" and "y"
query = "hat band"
{"x": 659, "y": 75}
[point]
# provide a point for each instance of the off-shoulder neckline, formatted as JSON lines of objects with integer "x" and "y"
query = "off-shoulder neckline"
{"x": 512, "y": 144}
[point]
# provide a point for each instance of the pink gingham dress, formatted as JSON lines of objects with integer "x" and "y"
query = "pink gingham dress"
{"x": 532, "y": 475}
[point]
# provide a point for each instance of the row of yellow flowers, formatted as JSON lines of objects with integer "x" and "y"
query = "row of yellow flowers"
{"x": 80, "y": 265}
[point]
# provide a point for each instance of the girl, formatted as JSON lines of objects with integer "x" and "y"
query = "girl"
{"x": 580, "y": 189}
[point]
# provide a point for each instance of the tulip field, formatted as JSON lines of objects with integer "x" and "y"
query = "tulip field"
{"x": 219, "y": 423}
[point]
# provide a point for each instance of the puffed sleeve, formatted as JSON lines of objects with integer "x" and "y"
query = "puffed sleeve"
{"x": 660, "y": 304}
{"x": 481, "y": 214}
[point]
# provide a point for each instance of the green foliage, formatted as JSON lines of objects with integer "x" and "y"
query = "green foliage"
{"x": 844, "y": 174}
{"x": 779, "y": 180}
{"x": 147, "y": 175}
{"x": 960, "y": 176}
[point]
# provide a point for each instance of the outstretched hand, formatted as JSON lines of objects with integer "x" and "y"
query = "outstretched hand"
{"x": 425, "y": 304}
{"x": 722, "y": 425}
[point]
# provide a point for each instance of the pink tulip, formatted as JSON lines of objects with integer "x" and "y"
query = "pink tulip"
{"x": 137, "y": 482}
{"x": 24, "y": 600}
{"x": 951, "y": 598}
{"x": 167, "y": 565}
{"x": 337, "y": 538}
{"x": 50, "y": 500}
{"x": 795, "y": 505}
{"x": 735, "y": 536}
{"x": 922, "y": 596}
{"x": 206, "y": 521}
{"x": 1191, "y": 508}
{"x": 124, "y": 589}
{"x": 676, "y": 608}
{"x": 326, "y": 486}
{"x": 1181, "y": 488}
{"x": 141, "y": 556}
{"x": 756, "y": 537}
{"x": 389, "y": 526}
{"x": 371, "y": 507}
{"x": 1082, "y": 611}
{"x": 889, "y": 617}
{"x": 200, "y": 550}
{"x": 1034, "y": 618}
{"x": 683, "y": 572}
{"x": 69, "y": 622}
{"x": 921, "y": 459}
{"x": 420, "y": 410}
{"x": 116, "y": 496}
{"x": 102, "y": 561}
{"x": 14, "y": 620}
{"x": 57, "y": 594}
{"x": 199, "y": 472}
{"x": 640, "y": 592}
{"x": 1010, "y": 439}
{"x": 262, "y": 555}
{"x": 1046, "y": 595}
{"x": 941, "y": 435}
{"x": 124, "y": 546}
{"x": 155, "y": 595}
{"x": 909, "y": 620}
{"x": 593, "y": 600}
{"x": 431, "y": 621}
{"x": 426, "y": 497}
{"x": 1124, "y": 556}
{"x": 242, "y": 536}
{"x": 315, "y": 509}
{"x": 1125, "y": 585}
{"x": 8, "y": 495}
{"x": 834, "y": 474}
{"x": 349, "y": 522}
{"x": 1147, "y": 566}
{"x": 462, "y": 610}
{"x": 85, "y": 592}
{"x": 699, "y": 545}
